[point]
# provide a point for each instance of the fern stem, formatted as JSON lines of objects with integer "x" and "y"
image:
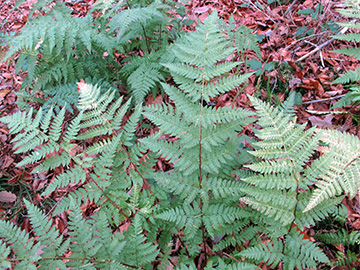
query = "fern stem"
{"x": 200, "y": 163}
{"x": 183, "y": 245}
{"x": 145, "y": 183}
{"x": 200, "y": 171}
{"x": 231, "y": 257}
{"x": 146, "y": 41}
{"x": 108, "y": 198}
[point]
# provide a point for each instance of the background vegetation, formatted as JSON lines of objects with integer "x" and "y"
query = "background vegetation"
{"x": 179, "y": 135}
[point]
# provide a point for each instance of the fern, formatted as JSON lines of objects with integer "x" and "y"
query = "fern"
{"x": 213, "y": 195}
{"x": 49, "y": 244}
{"x": 55, "y": 42}
{"x": 342, "y": 171}
{"x": 65, "y": 146}
{"x": 149, "y": 17}
{"x": 139, "y": 253}
{"x": 284, "y": 149}
{"x": 351, "y": 76}
{"x": 198, "y": 130}
{"x": 144, "y": 74}
{"x": 295, "y": 252}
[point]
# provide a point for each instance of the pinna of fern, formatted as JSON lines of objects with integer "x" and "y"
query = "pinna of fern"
{"x": 341, "y": 173}
{"x": 281, "y": 153}
{"x": 351, "y": 10}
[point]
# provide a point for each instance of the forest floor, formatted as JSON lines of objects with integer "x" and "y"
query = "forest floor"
{"x": 296, "y": 55}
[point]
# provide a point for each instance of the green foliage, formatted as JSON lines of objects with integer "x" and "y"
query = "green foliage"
{"x": 352, "y": 76}
{"x": 214, "y": 195}
{"x": 342, "y": 174}
{"x": 294, "y": 252}
{"x": 145, "y": 73}
{"x": 58, "y": 49}
{"x": 55, "y": 53}
{"x": 337, "y": 235}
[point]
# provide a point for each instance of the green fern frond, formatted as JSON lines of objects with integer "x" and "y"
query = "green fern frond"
{"x": 176, "y": 184}
{"x": 352, "y": 52}
{"x": 350, "y": 76}
{"x": 282, "y": 154}
{"x": 281, "y": 210}
{"x": 353, "y": 96}
{"x": 52, "y": 71}
{"x": 217, "y": 215}
{"x": 320, "y": 212}
{"x": 144, "y": 74}
{"x": 343, "y": 164}
{"x": 223, "y": 188}
{"x": 269, "y": 252}
{"x": 305, "y": 255}
{"x": 301, "y": 253}
{"x": 131, "y": 125}
{"x": 19, "y": 239}
{"x": 237, "y": 266}
{"x": 235, "y": 239}
{"x": 347, "y": 258}
{"x": 25, "y": 248}
{"x": 143, "y": 80}
{"x": 348, "y": 37}
{"x": 5, "y": 252}
{"x": 83, "y": 244}
{"x": 124, "y": 21}
{"x": 49, "y": 237}
{"x": 186, "y": 216}
{"x": 138, "y": 252}
{"x": 73, "y": 176}
{"x": 340, "y": 237}
{"x": 55, "y": 41}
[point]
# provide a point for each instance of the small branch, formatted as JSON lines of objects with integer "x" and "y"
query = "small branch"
{"x": 231, "y": 257}
{"x": 264, "y": 13}
{"x": 324, "y": 99}
{"x": 287, "y": 11}
{"x": 290, "y": 7}
{"x": 318, "y": 48}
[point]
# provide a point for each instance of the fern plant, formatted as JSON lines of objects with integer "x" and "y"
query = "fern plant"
{"x": 221, "y": 205}
{"x": 57, "y": 49}
{"x": 48, "y": 145}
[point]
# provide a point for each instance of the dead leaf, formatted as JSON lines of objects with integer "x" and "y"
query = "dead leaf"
{"x": 200, "y": 10}
{"x": 6, "y": 162}
{"x": 7, "y": 75}
{"x": 319, "y": 89}
{"x": 124, "y": 227}
{"x": 356, "y": 224}
{"x": 4, "y": 92}
{"x": 7, "y": 197}
{"x": 319, "y": 122}
{"x": 295, "y": 82}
